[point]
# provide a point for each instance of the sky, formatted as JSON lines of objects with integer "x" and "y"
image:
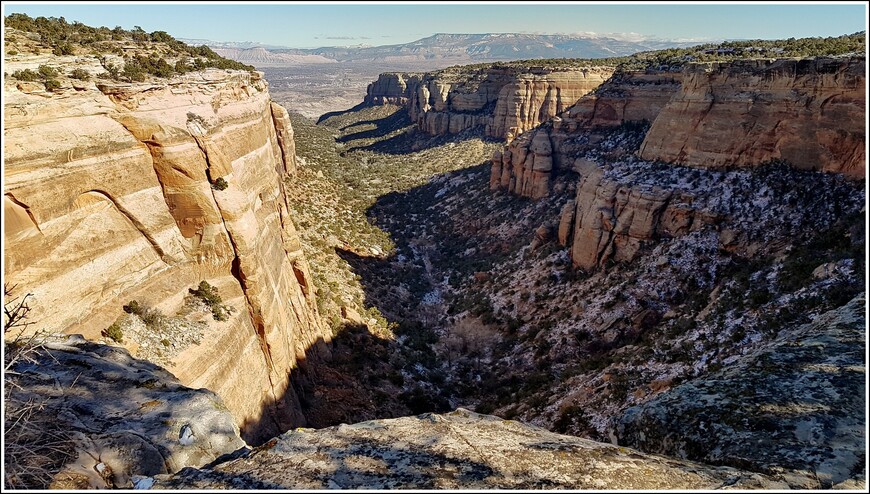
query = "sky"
{"x": 313, "y": 24}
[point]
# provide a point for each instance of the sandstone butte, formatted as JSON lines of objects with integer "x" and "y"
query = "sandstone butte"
{"x": 808, "y": 112}
{"x": 507, "y": 101}
{"x": 108, "y": 198}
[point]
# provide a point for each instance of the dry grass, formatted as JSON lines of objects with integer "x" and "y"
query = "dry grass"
{"x": 35, "y": 446}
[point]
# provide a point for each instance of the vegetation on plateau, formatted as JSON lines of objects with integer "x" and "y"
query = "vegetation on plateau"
{"x": 726, "y": 51}
{"x": 129, "y": 55}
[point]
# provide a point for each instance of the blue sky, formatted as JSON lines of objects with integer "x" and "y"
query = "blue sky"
{"x": 306, "y": 25}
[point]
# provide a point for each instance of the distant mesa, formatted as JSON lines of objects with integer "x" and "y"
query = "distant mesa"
{"x": 459, "y": 48}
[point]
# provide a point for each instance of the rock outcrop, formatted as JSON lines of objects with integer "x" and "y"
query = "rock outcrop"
{"x": 809, "y": 112}
{"x": 609, "y": 220}
{"x": 625, "y": 97}
{"x": 125, "y": 417}
{"x": 392, "y": 88}
{"x": 716, "y": 115}
{"x": 115, "y": 192}
{"x": 797, "y": 404}
{"x": 458, "y": 450}
{"x": 505, "y": 100}
{"x": 524, "y": 169}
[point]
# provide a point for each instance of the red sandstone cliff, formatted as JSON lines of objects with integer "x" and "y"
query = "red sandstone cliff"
{"x": 506, "y": 100}
{"x": 108, "y": 198}
{"x": 809, "y": 112}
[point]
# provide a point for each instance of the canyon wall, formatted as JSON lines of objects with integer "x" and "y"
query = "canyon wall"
{"x": 609, "y": 220}
{"x": 625, "y": 97}
{"x": 392, "y": 88}
{"x": 113, "y": 192}
{"x": 810, "y": 112}
{"x": 505, "y": 100}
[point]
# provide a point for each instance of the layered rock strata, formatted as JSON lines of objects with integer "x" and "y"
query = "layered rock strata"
{"x": 392, "y": 88}
{"x": 809, "y": 112}
{"x": 114, "y": 192}
{"x": 506, "y": 101}
{"x": 625, "y": 97}
{"x": 609, "y": 220}
{"x": 458, "y": 450}
{"x": 799, "y": 401}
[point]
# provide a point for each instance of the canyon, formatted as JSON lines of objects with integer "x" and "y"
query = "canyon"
{"x": 603, "y": 263}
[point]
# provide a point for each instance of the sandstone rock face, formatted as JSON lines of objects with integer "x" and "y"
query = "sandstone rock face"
{"x": 109, "y": 190}
{"x": 721, "y": 115}
{"x": 612, "y": 220}
{"x": 284, "y": 133}
{"x": 624, "y": 97}
{"x": 507, "y": 101}
{"x": 534, "y": 99}
{"x": 809, "y": 112}
{"x": 392, "y": 88}
{"x": 524, "y": 169}
{"x": 129, "y": 415}
{"x": 458, "y": 450}
{"x": 799, "y": 401}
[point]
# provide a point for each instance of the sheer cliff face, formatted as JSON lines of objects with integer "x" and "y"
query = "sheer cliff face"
{"x": 108, "y": 197}
{"x": 716, "y": 116}
{"x": 507, "y": 101}
{"x": 625, "y": 97}
{"x": 808, "y": 112}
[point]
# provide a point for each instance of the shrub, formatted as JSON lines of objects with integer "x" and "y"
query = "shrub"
{"x": 420, "y": 401}
{"x": 210, "y": 296}
{"x": 63, "y": 49}
{"x": 80, "y": 74}
{"x": 133, "y": 71}
{"x": 25, "y": 75}
{"x": 133, "y": 308}
{"x": 207, "y": 293}
{"x": 219, "y": 312}
{"x": 220, "y": 184}
{"x": 151, "y": 317}
{"x": 114, "y": 332}
{"x": 51, "y": 84}
{"x": 47, "y": 72}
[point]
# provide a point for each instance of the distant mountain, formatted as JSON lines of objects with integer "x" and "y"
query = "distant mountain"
{"x": 242, "y": 45}
{"x": 463, "y": 48}
{"x": 259, "y": 56}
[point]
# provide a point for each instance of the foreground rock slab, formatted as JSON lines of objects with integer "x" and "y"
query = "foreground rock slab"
{"x": 461, "y": 449}
{"x": 124, "y": 417}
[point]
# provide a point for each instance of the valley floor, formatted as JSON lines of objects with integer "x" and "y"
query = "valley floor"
{"x": 444, "y": 294}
